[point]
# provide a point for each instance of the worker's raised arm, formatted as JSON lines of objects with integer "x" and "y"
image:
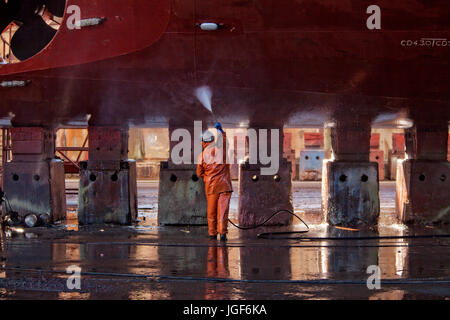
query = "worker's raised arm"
{"x": 200, "y": 169}
{"x": 221, "y": 140}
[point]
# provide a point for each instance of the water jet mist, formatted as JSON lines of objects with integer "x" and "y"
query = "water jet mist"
{"x": 204, "y": 95}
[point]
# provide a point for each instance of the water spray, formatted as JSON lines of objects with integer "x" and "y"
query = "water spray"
{"x": 204, "y": 95}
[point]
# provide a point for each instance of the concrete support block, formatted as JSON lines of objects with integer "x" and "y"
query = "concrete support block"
{"x": 351, "y": 142}
{"x": 107, "y": 143}
{"x": 398, "y": 143}
{"x": 378, "y": 157}
{"x": 33, "y": 143}
{"x": 350, "y": 193}
{"x": 34, "y": 180}
{"x": 261, "y": 195}
{"x": 36, "y": 187}
{"x": 181, "y": 199}
{"x": 289, "y": 152}
{"x": 423, "y": 191}
{"x": 395, "y": 154}
{"x": 290, "y": 157}
{"x": 427, "y": 140}
{"x": 148, "y": 169}
{"x": 392, "y": 165}
{"x": 375, "y": 141}
{"x": 107, "y": 194}
{"x": 234, "y": 171}
{"x": 313, "y": 140}
{"x": 296, "y": 177}
{"x": 311, "y": 165}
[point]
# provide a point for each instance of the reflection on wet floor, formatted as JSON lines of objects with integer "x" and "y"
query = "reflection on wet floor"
{"x": 147, "y": 261}
{"x": 71, "y": 222}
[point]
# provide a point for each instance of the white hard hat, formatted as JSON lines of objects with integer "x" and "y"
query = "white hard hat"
{"x": 207, "y": 136}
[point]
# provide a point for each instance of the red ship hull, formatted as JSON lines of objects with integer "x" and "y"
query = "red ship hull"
{"x": 275, "y": 62}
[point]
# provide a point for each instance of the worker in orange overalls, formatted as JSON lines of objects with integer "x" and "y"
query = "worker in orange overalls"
{"x": 215, "y": 172}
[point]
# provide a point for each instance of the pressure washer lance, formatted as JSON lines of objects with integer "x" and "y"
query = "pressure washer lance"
{"x": 288, "y": 234}
{"x": 268, "y": 235}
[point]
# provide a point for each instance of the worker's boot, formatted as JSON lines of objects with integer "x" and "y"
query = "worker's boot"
{"x": 223, "y": 237}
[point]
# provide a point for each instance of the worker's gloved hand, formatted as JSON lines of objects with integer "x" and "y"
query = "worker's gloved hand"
{"x": 218, "y": 126}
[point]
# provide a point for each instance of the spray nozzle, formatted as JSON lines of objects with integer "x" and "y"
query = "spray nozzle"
{"x": 218, "y": 126}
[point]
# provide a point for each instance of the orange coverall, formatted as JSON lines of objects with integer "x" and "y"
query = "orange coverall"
{"x": 218, "y": 189}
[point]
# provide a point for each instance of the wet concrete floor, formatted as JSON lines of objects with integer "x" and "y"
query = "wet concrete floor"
{"x": 147, "y": 261}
